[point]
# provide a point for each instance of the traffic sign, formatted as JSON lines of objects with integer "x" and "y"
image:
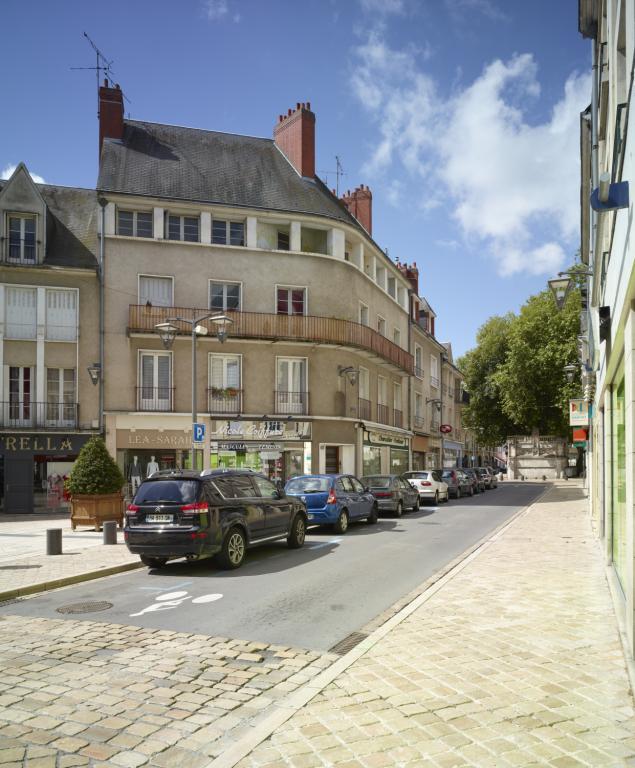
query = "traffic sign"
{"x": 445, "y": 428}
{"x": 198, "y": 433}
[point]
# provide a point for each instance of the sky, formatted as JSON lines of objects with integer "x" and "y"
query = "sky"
{"x": 462, "y": 116}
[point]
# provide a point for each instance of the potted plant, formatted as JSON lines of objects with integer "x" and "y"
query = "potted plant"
{"x": 95, "y": 487}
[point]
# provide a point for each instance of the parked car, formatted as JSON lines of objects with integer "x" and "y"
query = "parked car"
{"x": 492, "y": 473}
{"x": 429, "y": 484}
{"x": 476, "y": 480}
{"x": 392, "y": 493}
{"x": 485, "y": 477}
{"x": 334, "y": 500}
{"x": 181, "y": 513}
{"x": 458, "y": 483}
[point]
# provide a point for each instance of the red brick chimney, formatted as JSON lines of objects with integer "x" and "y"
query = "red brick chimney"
{"x": 360, "y": 205}
{"x": 294, "y": 135}
{"x": 110, "y": 113}
{"x": 411, "y": 273}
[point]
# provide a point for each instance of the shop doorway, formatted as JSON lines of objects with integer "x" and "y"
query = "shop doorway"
{"x": 332, "y": 459}
{"x": 18, "y": 485}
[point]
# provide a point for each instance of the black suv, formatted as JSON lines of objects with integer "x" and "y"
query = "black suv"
{"x": 196, "y": 515}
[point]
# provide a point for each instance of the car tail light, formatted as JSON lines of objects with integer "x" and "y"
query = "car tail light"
{"x": 200, "y": 506}
{"x": 382, "y": 494}
{"x": 132, "y": 509}
{"x": 332, "y": 498}
{"x": 426, "y": 482}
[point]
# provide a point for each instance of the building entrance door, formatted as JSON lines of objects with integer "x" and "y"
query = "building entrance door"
{"x": 18, "y": 485}
{"x": 332, "y": 459}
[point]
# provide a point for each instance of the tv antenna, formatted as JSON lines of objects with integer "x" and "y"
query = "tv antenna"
{"x": 338, "y": 172}
{"x": 102, "y": 64}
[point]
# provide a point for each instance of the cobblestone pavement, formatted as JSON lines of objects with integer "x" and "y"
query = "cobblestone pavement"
{"x": 76, "y": 693}
{"x": 516, "y": 661}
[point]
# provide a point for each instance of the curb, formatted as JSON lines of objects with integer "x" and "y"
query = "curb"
{"x": 67, "y": 580}
{"x": 284, "y": 711}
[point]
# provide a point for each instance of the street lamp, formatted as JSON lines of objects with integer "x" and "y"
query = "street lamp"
{"x": 167, "y": 332}
{"x": 94, "y": 371}
{"x": 560, "y": 286}
{"x": 570, "y": 371}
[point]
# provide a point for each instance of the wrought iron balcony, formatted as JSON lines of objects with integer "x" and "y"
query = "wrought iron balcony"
{"x": 155, "y": 398}
{"x": 260, "y": 325}
{"x": 397, "y": 418}
{"x": 291, "y": 402}
{"x": 382, "y": 414}
{"x": 27, "y": 414}
{"x": 364, "y": 409}
{"x": 225, "y": 400}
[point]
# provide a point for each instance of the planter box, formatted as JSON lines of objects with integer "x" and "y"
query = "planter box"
{"x": 95, "y": 510}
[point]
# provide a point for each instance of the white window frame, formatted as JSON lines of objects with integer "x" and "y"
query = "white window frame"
{"x": 32, "y": 327}
{"x": 46, "y": 314}
{"x": 396, "y": 336}
{"x": 159, "y": 277}
{"x": 381, "y": 325}
{"x": 419, "y": 367}
{"x": 434, "y": 371}
{"x": 228, "y": 223}
{"x": 21, "y": 419}
{"x": 155, "y": 353}
{"x": 364, "y": 376}
{"x": 55, "y": 409}
{"x": 363, "y": 309}
{"x": 134, "y": 213}
{"x": 225, "y": 283}
{"x": 224, "y": 357}
{"x": 303, "y": 406}
{"x": 397, "y": 396}
{"x": 181, "y": 217}
{"x": 22, "y": 216}
{"x": 287, "y": 287}
{"x": 382, "y": 384}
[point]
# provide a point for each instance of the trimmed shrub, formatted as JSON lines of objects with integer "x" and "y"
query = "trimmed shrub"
{"x": 95, "y": 471}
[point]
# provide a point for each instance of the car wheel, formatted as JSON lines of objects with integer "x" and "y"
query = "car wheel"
{"x": 436, "y": 498}
{"x": 341, "y": 526}
{"x": 458, "y": 493}
{"x": 471, "y": 491}
{"x": 233, "y": 552}
{"x": 399, "y": 510}
{"x": 416, "y": 506}
{"x": 296, "y": 537}
{"x": 153, "y": 562}
{"x": 374, "y": 514}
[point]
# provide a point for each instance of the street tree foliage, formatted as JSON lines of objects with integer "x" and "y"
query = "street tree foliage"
{"x": 95, "y": 471}
{"x": 515, "y": 375}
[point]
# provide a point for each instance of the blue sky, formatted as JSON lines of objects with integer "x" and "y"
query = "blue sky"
{"x": 461, "y": 115}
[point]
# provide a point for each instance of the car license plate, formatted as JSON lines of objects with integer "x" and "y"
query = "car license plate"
{"x": 159, "y": 518}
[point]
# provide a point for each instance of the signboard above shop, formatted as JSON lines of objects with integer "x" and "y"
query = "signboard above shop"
{"x": 263, "y": 430}
{"x": 578, "y": 413}
{"x": 382, "y": 438}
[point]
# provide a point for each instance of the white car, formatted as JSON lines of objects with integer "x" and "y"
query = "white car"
{"x": 429, "y": 484}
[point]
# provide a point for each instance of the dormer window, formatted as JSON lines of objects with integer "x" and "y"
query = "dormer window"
{"x": 228, "y": 232}
{"x": 183, "y": 228}
{"x": 134, "y": 224}
{"x": 21, "y": 239}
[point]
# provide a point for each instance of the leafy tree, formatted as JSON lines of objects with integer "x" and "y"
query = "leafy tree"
{"x": 95, "y": 471}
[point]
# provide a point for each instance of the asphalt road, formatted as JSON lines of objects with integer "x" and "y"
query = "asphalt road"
{"x": 313, "y": 597}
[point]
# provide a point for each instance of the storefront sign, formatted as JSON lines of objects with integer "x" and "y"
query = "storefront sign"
{"x": 578, "y": 413}
{"x": 381, "y": 438}
{"x": 154, "y": 438}
{"x": 261, "y": 430}
{"x": 253, "y": 446}
{"x": 42, "y": 443}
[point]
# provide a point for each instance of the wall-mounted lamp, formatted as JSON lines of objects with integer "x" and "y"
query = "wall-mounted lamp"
{"x": 570, "y": 371}
{"x": 436, "y": 402}
{"x": 348, "y": 371}
{"x": 94, "y": 371}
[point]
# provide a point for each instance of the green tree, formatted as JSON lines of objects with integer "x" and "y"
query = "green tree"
{"x": 95, "y": 471}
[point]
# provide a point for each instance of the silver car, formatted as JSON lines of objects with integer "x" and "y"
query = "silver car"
{"x": 392, "y": 493}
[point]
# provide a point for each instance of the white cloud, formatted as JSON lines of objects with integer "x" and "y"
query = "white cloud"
{"x": 510, "y": 183}
{"x": 9, "y": 170}
{"x": 218, "y": 10}
{"x": 382, "y": 7}
{"x": 459, "y": 8}
{"x": 447, "y": 243}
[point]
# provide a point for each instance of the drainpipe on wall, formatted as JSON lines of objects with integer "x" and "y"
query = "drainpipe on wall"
{"x": 100, "y": 272}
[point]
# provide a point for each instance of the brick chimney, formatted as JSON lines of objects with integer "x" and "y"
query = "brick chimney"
{"x": 360, "y": 205}
{"x": 411, "y": 273}
{"x": 294, "y": 135}
{"x": 110, "y": 113}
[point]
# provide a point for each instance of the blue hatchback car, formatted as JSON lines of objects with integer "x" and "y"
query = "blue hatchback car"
{"x": 333, "y": 499}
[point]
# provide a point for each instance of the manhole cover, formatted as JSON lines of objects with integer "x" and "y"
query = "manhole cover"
{"x": 90, "y": 607}
{"x": 345, "y": 645}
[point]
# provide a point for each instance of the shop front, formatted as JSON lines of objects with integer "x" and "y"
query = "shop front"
{"x": 433, "y": 454}
{"x": 33, "y": 467}
{"x": 420, "y": 446}
{"x": 385, "y": 453}
{"x": 452, "y": 454}
{"x": 278, "y": 449}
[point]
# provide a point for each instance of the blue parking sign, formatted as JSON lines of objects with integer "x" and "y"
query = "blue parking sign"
{"x": 198, "y": 432}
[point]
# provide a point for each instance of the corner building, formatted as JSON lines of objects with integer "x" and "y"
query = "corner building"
{"x": 313, "y": 376}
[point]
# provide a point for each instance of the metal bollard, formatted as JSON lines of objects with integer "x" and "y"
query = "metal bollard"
{"x": 53, "y": 541}
{"x": 110, "y": 532}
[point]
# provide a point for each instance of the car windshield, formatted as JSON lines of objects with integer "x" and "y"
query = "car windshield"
{"x": 448, "y": 473}
{"x": 308, "y": 485}
{"x": 377, "y": 481}
{"x": 415, "y": 475}
{"x": 167, "y": 491}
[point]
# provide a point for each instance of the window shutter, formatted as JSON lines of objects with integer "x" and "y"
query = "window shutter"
{"x": 163, "y": 372}
{"x": 61, "y": 315}
{"x": 216, "y": 374}
{"x": 21, "y": 309}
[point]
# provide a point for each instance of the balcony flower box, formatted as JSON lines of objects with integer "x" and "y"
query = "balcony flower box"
{"x": 224, "y": 393}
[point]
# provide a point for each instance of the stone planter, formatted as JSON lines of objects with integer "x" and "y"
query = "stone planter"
{"x": 95, "y": 510}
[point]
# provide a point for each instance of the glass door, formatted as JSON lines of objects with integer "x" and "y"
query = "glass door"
{"x": 20, "y": 404}
{"x": 291, "y": 385}
{"x": 618, "y": 463}
{"x": 155, "y": 380}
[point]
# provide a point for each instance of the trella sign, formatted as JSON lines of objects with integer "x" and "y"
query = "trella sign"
{"x": 41, "y": 443}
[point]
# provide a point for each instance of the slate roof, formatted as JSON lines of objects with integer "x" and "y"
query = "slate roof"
{"x": 173, "y": 162}
{"x": 71, "y": 226}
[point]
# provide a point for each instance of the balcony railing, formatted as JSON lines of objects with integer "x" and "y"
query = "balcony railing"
{"x": 418, "y": 422}
{"x": 225, "y": 400}
{"x": 418, "y": 372}
{"x": 397, "y": 418}
{"x": 291, "y": 402}
{"x": 434, "y": 382}
{"x": 364, "y": 409}
{"x": 155, "y": 398}
{"x": 382, "y": 414}
{"x": 27, "y": 414}
{"x": 258, "y": 325}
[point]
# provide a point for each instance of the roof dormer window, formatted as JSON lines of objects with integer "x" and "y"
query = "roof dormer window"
{"x": 21, "y": 239}
{"x": 134, "y": 223}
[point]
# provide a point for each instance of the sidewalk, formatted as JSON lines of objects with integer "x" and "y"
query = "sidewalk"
{"x": 511, "y": 659}
{"x": 25, "y": 567}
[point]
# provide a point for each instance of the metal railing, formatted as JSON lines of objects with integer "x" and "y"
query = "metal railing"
{"x": 155, "y": 398}
{"x": 434, "y": 382}
{"x": 27, "y": 414}
{"x": 382, "y": 413}
{"x": 364, "y": 409}
{"x": 225, "y": 400}
{"x": 260, "y": 325}
{"x": 291, "y": 402}
{"x": 397, "y": 418}
{"x": 418, "y": 372}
